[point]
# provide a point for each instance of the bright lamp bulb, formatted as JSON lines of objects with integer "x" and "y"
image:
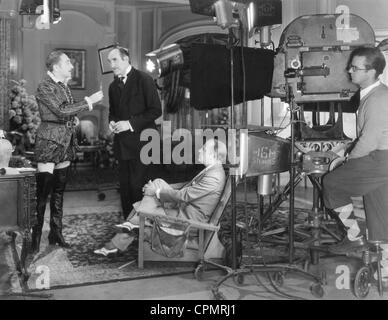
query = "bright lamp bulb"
{"x": 150, "y": 66}
{"x": 164, "y": 61}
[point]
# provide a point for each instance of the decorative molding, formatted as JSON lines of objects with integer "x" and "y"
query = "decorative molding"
{"x": 131, "y": 10}
{"x": 186, "y": 2}
{"x": 326, "y": 6}
{"x": 140, "y": 13}
{"x": 159, "y": 18}
{"x": 381, "y": 34}
{"x": 189, "y": 29}
{"x": 107, "y": 5}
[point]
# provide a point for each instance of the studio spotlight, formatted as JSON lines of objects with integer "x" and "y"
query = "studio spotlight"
{"x": 383, "y": 45}
{"x": 224, "y": 14}
{"x": 164, "y": 60}
{"x": 203, "y": 7}
{"x": 221, "y": 10}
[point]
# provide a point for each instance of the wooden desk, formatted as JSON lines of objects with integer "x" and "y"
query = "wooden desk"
{"x": 17, "y": 212}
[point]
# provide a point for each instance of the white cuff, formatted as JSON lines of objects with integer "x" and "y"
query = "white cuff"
{"x": 130, "y": 127}
{"x": 158, "y": 193}
{"x": 90, "y": 104}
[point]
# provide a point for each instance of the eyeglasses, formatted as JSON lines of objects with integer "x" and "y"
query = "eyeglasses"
{"x": 355, "y": 68}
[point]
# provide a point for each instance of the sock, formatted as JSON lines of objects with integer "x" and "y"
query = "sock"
{"x": 383, "y": 263}
{"x": 351, "y": 223}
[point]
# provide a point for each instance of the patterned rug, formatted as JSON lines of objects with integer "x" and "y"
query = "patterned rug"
{"x": 79, "y": 265}
{"x": 90, "y": 179}
{"x": 86, "y": 233}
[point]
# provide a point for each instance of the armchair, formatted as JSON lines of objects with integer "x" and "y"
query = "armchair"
{"x": 192, "y": 253}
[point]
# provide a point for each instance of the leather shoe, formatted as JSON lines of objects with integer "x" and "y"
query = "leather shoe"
{"x": 126, "y": 227}
{"x": 346, "y": 246}
{"x": 105, "y": 252}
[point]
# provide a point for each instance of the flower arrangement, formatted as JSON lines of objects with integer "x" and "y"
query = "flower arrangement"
{"x": 23, "y": 114}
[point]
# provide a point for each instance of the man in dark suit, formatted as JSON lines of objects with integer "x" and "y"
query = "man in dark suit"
{"x": 134, "y": 105}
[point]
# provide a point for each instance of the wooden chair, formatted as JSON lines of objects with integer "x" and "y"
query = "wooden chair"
{"x": 207, "y": 232}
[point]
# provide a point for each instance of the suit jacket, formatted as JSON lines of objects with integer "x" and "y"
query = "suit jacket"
{"x": 56, "y": 108}
{"x": 198, "y": 199}
{"x": 372, "y": 123}
{"x": 137, "y": 102}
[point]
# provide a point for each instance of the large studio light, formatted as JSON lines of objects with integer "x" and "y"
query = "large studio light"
{"x": 164, "y": 60}
{"x": 221, "y": 10}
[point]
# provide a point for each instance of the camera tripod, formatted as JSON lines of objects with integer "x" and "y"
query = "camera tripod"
{"x": 278, "y": 270}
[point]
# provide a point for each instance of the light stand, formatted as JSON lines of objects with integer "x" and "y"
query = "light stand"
{"x": 233, "y": 175}
{"x": 278, "y": 270}
{"x": 293, "y": 110}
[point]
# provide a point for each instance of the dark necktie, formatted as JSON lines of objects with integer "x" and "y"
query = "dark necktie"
{"x": 120, "y": 83}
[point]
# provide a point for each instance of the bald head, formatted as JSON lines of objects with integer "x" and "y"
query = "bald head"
{"x": 213, "y": 151}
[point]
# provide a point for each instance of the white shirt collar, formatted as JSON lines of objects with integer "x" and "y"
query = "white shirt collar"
{"x": 368, "y": 89}
{"x": 55, "y": 79}
{"x": 126, "y": 73}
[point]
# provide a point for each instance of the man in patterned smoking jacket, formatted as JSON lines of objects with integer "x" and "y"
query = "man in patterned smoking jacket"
{"x": 55, "y": 144}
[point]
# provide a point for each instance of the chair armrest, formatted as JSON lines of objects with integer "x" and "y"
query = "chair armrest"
{"x": 194, "y": 224}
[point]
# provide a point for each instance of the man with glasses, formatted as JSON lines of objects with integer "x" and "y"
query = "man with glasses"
{"x": 365, "y": 173}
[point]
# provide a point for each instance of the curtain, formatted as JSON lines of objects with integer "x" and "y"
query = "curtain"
{"x": 5, "y": 54}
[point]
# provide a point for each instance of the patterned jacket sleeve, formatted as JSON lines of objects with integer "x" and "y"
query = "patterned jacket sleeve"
{"x": 48, "y": 95}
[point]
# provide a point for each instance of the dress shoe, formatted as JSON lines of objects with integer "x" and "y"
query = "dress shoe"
{"x": 105, "y": 252}
{"x": 126, "y": 227}
{"x": 58, "y": 239}
{"x": 346, "y": 246}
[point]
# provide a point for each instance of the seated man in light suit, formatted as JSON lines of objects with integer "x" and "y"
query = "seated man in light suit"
{"x": 196, "y": 200}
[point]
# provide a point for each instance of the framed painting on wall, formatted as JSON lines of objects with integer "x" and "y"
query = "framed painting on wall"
{"x": 78, "y": 60}
{"x": 103, "y": 56}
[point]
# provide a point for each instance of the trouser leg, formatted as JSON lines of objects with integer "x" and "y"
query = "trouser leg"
{"x": 125, "y": 194}
{"x": 132, "y": 177}
{"x": 384, "y": 261}
{"x": 357, "y": 177}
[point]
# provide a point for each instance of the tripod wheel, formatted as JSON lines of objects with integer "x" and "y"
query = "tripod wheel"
{"x": 239, "y": 279}
{"x": 316, "y": 290}
{"x": 362, "y": 282}
{"x": 198, "y": 273}
{"x": 278, "y": 278}
{"x": 218, "y": 295}
{"x": 306, "y": 265}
